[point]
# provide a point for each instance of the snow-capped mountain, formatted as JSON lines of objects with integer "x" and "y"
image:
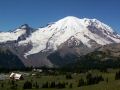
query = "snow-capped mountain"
{"x": 22, "y": 32}
{"x": 69, "y": 35}
{"x": 84, "y": 30}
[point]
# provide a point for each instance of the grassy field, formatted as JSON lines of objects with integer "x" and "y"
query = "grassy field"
{"x": 112, "y": 84}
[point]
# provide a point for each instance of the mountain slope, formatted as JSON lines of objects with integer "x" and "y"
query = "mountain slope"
{"x": 85, "y": 30}
{"x": 67, "y": 38}
{"x": 107, "y": 56}
{"x": 9, "y": 60}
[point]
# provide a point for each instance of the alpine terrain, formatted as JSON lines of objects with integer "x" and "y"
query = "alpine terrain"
{"x": 58, "y": 43}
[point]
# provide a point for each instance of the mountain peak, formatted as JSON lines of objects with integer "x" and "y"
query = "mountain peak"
{"x": 74, "y": 21}
{"x": 24, "y": 26}
{"x": 70, "y": 17}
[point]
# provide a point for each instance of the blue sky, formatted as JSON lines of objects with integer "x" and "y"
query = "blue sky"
{"x": 37, "y": 13}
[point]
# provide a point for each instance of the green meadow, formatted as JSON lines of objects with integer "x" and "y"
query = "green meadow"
{"x": 109, "y": 82}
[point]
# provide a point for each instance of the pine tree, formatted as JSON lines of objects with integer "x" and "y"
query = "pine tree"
{"x": 2, "y": 85}
{"x": 117, "y": 75}
{"x": 71, "y": 85}
{"x": 68, "y": 76}
{"x": 36, "y": 85}
{"x": 52, "y": 84}
{"x": 45, "y": 85}
{"x": 81, "y": 82}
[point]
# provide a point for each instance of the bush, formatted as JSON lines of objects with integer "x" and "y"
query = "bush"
{"x": 14, "y": 87}
{"x": 68, "y": 76}
{"x": 27, "y": 85}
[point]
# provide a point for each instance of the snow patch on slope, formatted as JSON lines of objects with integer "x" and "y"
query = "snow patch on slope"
{"x": 11, "y": 36}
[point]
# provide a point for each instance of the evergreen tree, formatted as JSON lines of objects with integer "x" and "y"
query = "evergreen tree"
{"x": 52, "y": 84}
{"x": 81, "y": 82}
{"x": 68, "y": 76}
{"x": 2, "y": 85}
{"x": 60, "y": 85}
{"x": 36, "y": 85}
{"x": 93, "y": 79}
{"x": 45, "y": 85}
{"x": 71, "y": 85}
{"x": 117, "y": 75}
